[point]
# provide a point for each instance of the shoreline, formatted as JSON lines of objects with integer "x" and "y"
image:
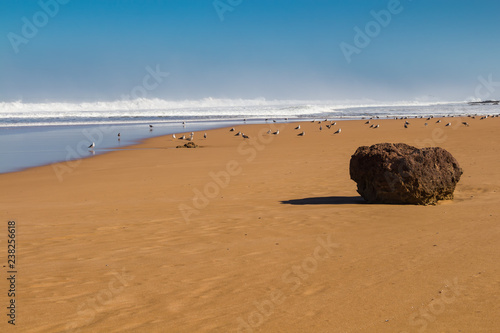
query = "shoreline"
{"x": 81, "y": 134}
{"x": 106, "y": 134}
{"x": 261, "y": 234}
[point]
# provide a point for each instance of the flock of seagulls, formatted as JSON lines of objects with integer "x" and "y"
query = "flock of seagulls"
{"x": 329, "y": 125}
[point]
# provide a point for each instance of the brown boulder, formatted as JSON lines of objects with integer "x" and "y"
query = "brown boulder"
{"x": 401, "y": 174}
{"x": 188, "y": 145}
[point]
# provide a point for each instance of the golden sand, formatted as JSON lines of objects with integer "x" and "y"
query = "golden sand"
{"x": 259, "y": 235}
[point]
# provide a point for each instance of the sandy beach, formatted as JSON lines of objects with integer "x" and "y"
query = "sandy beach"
{"x": 260, "y": 235}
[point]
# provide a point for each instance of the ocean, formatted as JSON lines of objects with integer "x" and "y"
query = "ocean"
{"x": 33, "y": 134}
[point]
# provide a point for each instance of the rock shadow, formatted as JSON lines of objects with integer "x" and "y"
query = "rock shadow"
{"x": 335, "y": 200}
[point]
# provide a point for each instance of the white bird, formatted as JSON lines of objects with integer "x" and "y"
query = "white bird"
{"x": 173, "y": 136}
{"x": 298, "y": 127}
{"x": 338, "y": 131}
{"x": 269, "y": 132}
{"x": 301, "y": 134}
{"x": 277, "y": 132}
{"x": 449, "y": 124}
{"x": 183, "y": 137}
{"x": 205, "y": 135}
{"x": 92, "y": 146}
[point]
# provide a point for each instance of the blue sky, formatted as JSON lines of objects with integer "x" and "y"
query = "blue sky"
{"x": 276, "y": 49}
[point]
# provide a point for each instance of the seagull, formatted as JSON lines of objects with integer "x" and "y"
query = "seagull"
{"x": 329, "y": 126}
{"x": 367, "y": 122}
{"x": 173, "y": 136}
{"x": 465, "y": 123}
{"x": 371, "y": 126}
{"x": 245, "y": 136}
{"x": 269, "y": 132}
{"x": 205, "y": 136}
{"x": 150, "y": 127}
{"x": 335, "y": 123}
{"x": 406, "y": 125}
{"x": 232, "y": 130}
{"x": 183, "y": 137}
{"x": 298, "y": 127}
{"x": 438, "y": 121}
{"x": 119, "y": 134}
{"x": 376, "y": 126}
{"x": 277, "y": 132}
{"x": 301, "y": 134}
{"x": 449, "y": 124}
{"x": 338, "y": 131}
{"x": 274, "y": 121}
{"x": 321, "y": 128}
{"x": 238, "y": 134}
{"x": 91, "y": 147}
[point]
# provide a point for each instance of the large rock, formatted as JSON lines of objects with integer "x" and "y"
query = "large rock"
{"x": 401, "y": 174}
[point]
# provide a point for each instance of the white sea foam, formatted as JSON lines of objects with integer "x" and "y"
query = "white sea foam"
{"x": 64, "y": 113}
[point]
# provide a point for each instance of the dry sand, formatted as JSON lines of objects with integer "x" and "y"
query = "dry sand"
{"x": 122, "y": 242}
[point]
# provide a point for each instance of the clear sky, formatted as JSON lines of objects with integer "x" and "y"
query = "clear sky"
{"x": 87, "y": 50}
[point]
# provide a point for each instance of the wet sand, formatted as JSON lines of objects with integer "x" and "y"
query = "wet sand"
{"x": 259, "y": 235}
